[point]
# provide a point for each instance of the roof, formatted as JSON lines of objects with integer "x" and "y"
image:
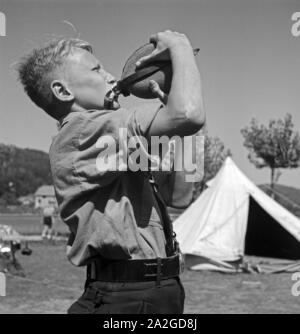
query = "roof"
{"x": 45, "y": 191}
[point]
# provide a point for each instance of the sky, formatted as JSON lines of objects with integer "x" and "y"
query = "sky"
{"x": 249, "y": 60}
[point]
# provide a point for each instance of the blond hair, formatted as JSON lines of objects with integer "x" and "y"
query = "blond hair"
{"x": 36, "y": 68}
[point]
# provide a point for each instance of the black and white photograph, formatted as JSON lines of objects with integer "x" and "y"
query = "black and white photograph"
{"x": 149, "y": 159}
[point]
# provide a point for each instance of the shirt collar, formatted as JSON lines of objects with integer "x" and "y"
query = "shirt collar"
{"x": 65, "y": 119}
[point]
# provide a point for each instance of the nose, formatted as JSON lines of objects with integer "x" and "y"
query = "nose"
{"x": 110, "y": 79}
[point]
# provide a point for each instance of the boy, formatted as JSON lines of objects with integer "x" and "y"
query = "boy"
{"x": 119, "y": 225}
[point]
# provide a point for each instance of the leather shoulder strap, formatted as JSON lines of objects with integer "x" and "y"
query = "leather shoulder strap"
{"x": 172, "y": 245}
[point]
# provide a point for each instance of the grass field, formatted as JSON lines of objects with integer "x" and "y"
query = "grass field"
{"x": 30, "y": 224}
{"x": 52, "y": 284}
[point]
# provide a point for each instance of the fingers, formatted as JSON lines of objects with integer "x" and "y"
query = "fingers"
{"x": 155, "y": 37}
{"x": 146, "y": 59}
{"x": 164, "y": 42}
{"x": 155, "y": 89}
{"x": 156, "y": 55}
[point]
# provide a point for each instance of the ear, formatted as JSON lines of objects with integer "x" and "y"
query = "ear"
{"x": 61, "y": 91}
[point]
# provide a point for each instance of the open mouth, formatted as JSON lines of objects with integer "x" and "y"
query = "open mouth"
{"x": 111, "y": 98}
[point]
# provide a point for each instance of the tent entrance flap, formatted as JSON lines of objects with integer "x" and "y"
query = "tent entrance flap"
{"x": 266, "y": 237}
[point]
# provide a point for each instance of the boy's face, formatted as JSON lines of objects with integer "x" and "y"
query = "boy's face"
{"x": 87, "y": 80}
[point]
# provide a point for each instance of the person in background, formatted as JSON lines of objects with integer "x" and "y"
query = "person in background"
{"x": 48, "y": 217}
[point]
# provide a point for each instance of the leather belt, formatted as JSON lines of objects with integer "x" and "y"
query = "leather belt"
{"x": 135, "y": 270}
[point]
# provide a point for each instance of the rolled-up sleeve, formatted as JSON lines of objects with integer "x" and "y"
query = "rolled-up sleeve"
{"x": 102, "y": 143}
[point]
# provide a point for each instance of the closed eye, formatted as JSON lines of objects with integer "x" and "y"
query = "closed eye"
{"x": 96, "y": 68}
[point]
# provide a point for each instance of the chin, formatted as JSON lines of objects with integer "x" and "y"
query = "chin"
{"x": 116, "y": 105}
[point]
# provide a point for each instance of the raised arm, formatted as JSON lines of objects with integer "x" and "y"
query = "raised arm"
{"x": 183, "y": 113}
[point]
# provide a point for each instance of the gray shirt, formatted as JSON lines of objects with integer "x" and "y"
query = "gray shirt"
{"x": 113, "y": 214}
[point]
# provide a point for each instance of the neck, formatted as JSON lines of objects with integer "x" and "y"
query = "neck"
{"x": 76, "y": 108}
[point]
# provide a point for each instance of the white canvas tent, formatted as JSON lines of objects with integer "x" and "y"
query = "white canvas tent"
{"x": 233, "y": 217}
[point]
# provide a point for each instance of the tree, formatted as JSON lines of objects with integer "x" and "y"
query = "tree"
{"x": 274, "y": 146}
{"x": 215, "y": 154}
{"x": 22, "y": 171}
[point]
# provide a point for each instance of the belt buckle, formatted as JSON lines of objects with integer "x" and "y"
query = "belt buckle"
{"x": 158, "y": 273}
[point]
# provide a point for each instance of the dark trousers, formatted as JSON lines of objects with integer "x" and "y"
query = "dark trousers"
{"x": 131, "y": 298}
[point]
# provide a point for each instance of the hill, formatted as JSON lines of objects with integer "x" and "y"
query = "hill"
{"x": 287, "y": 196}
{"x": 22, "y": 171}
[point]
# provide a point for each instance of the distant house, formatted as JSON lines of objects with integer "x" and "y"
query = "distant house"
{"x": 45, "y": 196}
